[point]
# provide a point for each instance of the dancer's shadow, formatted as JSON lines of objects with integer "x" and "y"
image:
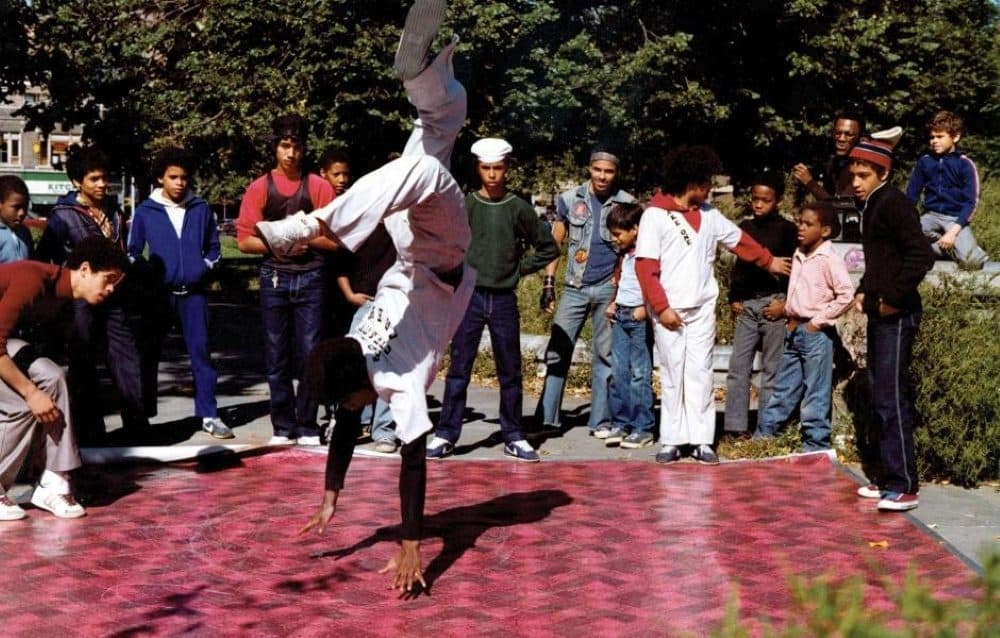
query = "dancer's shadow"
{"x": 461, "y": 527}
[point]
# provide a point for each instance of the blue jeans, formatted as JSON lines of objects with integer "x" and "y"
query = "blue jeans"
{"x": 890, "y": 353}
{"x": 292, "y": 309}
{"x": 806, "y": 374}
{"x": 380, "y": 417}
{"x": 752, "y": 329}
{"x": 631, "y": 395}
{"x": 574, "y": 307}
{"x": 498, "y": 311}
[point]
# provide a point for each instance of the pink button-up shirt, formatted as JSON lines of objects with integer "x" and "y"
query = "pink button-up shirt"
{"x": 820, "y": 288}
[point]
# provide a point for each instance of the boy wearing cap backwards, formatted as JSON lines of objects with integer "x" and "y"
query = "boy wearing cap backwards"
{"x": 950, "y": 184}
{"x": 675, "y": 252}
{"x": 897, "y": 256}
{"x": 582, "y": 219}
{"x": 291, "y": 285}
{"x": 394, "y": 352}
{"x": 502, "y": 224}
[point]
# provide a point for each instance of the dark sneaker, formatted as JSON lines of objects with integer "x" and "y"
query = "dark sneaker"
{"x": 668, "y": 454}
{"x": 522, "y": 451}
{"x": 602, "y": 432}
{"x": 614, "y": 437}
{"x": 897, "y": 502}
{"x": 215, "y": 427}
{"x": 637, "y": 440}
{"x": 422, "y": 24}
{"x": 439, "y": 448}
{"x": 705, "y": 455}
{"x": 870, "y": 491}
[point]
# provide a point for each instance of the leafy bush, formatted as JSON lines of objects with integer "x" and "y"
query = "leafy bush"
{"x": 831, "y": 607}
{"x": 956, "y": 367}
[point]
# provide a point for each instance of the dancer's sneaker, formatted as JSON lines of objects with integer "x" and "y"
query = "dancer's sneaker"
{"x": 62, "y": 505}
{"x": 10, "y": 510}
{"x": 288, "y": 236}
{"x": 422, "y": 24}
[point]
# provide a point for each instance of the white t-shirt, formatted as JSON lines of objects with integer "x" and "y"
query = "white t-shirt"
{"x": 686, "y": 257}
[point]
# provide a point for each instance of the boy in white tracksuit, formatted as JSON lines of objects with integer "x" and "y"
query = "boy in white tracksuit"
{"x": 675, "y": 251}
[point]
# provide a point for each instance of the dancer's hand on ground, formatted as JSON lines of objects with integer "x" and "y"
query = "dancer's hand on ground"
{"x": 670, "y": 319}
{"x": 404, "y": 567}
{"x": 323, "y": 515}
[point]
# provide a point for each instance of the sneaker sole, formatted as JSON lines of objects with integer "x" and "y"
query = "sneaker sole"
{"x": 610, "y": 442}
{"x": 423, "y": 21}
{"x": 522, "y": 459}
{"x": 636, "y": 446}
{"x": 897, "y": 507}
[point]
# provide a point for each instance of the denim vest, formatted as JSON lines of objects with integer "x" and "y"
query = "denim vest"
{"x": 580, "y": 227}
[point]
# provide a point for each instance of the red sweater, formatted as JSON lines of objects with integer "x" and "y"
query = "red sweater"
{"x": 24, "y": 285}
{"x": 647, "y": 270}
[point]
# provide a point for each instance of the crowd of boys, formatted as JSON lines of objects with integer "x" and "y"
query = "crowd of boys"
{"x": 363, "y": 286}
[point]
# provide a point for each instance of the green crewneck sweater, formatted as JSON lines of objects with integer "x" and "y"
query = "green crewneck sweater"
{"x": 508, "y": 240}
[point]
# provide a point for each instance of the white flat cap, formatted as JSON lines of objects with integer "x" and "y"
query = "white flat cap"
{"x": 491, "y": 149}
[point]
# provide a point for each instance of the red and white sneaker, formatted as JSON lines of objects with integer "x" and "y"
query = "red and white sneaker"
{"x": 62, "y": 505}
{"x": 898, "y": 502}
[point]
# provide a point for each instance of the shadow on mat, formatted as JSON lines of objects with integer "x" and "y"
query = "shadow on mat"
{"x": 458, "y": 527}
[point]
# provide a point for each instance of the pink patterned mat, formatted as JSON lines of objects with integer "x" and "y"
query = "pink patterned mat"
{"x": 560, "y": 549}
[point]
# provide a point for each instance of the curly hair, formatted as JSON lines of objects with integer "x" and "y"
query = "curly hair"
{"x": 82, "y": 160}
{"x": 689, "y": 165}
{"x": 172, "y": 156}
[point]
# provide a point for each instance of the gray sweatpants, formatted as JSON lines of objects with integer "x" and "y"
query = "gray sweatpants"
{"x": 20, "y": 430}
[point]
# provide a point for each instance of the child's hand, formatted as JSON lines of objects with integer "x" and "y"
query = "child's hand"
{"x": 886, "y": 310}
{"x": 639, "y": 314}
{"x": 859, "y": 302}
{"x": 358, "y": 299}
{"x": 609, "y": 312}
{"x": 947, "y": 241}
{"x": 670, "y": 319}
{"x": 737, "y": 308}
{"x": 774, "y": 310}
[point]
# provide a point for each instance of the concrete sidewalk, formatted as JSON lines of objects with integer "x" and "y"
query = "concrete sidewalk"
{"x": 968, "y": 521}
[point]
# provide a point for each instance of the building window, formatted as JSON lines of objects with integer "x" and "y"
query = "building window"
{"x": 10, "y": 150}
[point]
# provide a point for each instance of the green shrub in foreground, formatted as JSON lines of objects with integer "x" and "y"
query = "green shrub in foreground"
{"x": 956, "y": 367}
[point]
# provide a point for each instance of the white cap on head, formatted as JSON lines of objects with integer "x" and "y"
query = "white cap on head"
{"x": 491, "y": 149}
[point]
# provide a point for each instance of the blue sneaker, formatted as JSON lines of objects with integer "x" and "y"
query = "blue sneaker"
{"x": 439, "y": 448}
{"x": 615, "y": 437}
{"x": 522, "y": 451}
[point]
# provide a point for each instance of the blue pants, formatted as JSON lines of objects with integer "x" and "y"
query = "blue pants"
{"x": 292, "y": 310}
{"x": 631, "y": 395}
{"x": 104, "y": 332}
{"x": 497, "y": 310}
{"x": 890, "y": 353}
{"x": 191, "y": 311}
{"x": 574, "y": 307}
{"x": 806, "y": 374}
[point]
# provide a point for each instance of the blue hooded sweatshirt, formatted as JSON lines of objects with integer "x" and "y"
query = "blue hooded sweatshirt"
{"x": 184, "y": 260}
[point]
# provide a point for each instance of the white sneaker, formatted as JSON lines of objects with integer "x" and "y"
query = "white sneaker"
{"x": 10, "y": 510}
{"x": 282, "y": 236}
{"x": 277, "y": 439}
{"x": 310, "y": 440}
{"x": 215, "y": 427}
{"x": 422, "y": 23}
{"x": 62, "y": 505}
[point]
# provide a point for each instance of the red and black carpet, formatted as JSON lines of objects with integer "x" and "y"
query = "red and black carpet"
{"x": 560, "y": 549}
